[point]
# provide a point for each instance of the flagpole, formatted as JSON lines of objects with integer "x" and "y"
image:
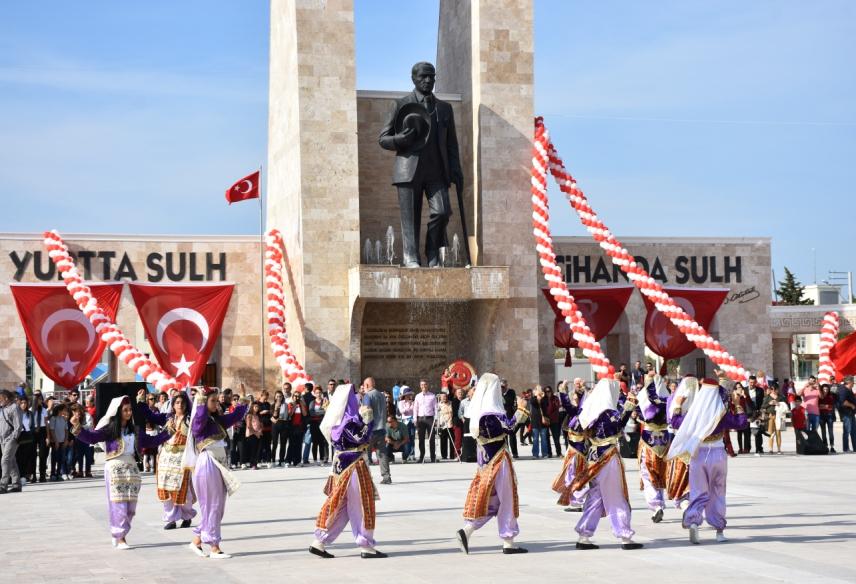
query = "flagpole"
{"x": 262, "y": 279}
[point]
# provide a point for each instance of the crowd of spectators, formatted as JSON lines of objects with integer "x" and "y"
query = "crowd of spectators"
{"x": 285, "y": 431}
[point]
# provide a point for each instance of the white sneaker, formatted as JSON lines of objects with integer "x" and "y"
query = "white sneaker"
{"x": 219, "y": 556}
{"x": 720, "y": 537}
{"x": 122, "y": 546}
{"x": 197, "y": 550}
{"x": 684, "y": 505}
{"x": 694, "y": 534}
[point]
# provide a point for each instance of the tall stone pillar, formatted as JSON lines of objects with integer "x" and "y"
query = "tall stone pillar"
{"x": 313, "y": 195}
{"x": 486, "y": 54}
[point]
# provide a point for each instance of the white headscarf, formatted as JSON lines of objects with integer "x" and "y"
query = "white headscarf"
{"x": 336, "y": 409}
{"x": 189, "y": 456}
{"x": 687, "y": 388}
{"x": 660, "y": 387}
{"x": 603, "y": 397}
{"x": 112, "y": 411}
{"x": 487, "y": 399}
{"x": 702, "y": 418}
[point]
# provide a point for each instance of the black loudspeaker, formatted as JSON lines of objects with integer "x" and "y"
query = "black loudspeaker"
{"x": 811, "y": 443}
{"x": 105, "y": 392}
{"x": 468, "y": 449}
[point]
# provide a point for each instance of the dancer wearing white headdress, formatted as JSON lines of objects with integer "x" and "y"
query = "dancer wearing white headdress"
{"x": 678, "y": 471}
{"x": 699, "y": 440}
{"x": 349, "y": 489}
{"x": 493, "y": 491}
{"x": 603, "y": 419}
{"x": 654, "y": 444}
{"x": 121, "y": 475}
{"x": 175, "y": 462}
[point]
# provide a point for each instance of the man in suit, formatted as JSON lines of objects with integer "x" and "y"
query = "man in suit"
{"x": 421, "y": 166}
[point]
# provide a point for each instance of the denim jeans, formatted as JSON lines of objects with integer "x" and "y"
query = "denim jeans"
{"x": 849, "y": 423}
{"x": 539, "y": 442}
{"x": 813, "y": 421}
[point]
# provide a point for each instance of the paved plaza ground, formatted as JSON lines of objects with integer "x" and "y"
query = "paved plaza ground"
{"x": 791, "y": 519}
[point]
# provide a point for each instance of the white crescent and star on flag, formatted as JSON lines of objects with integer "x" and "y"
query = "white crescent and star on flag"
{"x": 67, "y": 366}
{"x": 249, "y": 188}
{"x": 183, "y": 365}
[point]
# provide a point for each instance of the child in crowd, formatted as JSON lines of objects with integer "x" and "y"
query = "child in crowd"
{"x": 798, "y": 420}
{"x": 58, "y": 437}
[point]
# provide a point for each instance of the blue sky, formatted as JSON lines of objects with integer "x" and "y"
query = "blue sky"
{"x": 678, "y": 118}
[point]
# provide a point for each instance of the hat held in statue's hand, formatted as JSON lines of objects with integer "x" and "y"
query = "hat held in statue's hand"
{"x": 415, "y": 117}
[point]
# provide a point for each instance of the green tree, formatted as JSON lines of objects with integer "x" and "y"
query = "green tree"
{"x": 790, "y": 291}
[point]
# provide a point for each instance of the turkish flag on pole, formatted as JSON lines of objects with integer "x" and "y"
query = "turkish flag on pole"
{"x": 663, "y": 337}
{"x": 843, "y": 355}
{"x": 248, "y": 187}
{"x": 182, "y": 324}
{"x": 61, "y": 338}
{"x": 601, "y": 307}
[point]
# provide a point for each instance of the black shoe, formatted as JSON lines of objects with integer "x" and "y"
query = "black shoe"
{"x": 573, "y": 509}
{"x": 170, "y": 525}
{"x": 658, "y": 516}
{"x": 514, "y": 550}
{"x": 42, "y": 479}
{"x": 386, "y": 481}
{"x": 15, "y": 488}
{"x": 371, "y": 555}
{"x": 3, "y": 490}
{"x": 320, "y": 553}
{"x": 463, "y": 543}
{"x": 632, "y": 546}
{"x": 185, "y": 524}
{"x": 587, "y": 546}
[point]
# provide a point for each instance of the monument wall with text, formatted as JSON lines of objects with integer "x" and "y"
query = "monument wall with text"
{"x": 146, "y": 259}
{"x": 742, "y": 265}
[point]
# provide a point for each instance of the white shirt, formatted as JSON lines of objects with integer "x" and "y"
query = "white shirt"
{"x": 25, "y": 421}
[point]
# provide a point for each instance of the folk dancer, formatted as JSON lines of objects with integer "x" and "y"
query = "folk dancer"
{"x": 699, "y": 440}
{"x": 603, "y": 417}
{"x": 174, "y": 485}
{"x": 493, "y": 491}
{"x": 121, "y": 474}
{"x": 575, "y": 457}
{"x": 678, "y": 473}
{"x": 654, "y": 443}
{"x": 212, "y": 480}
{"x": 350, "y": 491}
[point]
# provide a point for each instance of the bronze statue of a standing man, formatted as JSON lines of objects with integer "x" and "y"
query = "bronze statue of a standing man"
{"x": 421, "y": 131}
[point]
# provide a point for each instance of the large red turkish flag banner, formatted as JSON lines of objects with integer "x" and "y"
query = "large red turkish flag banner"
{"x": 663, "y": 337}
{"x": 843, "y": 355}
{"x": 601, "y": 307}
{"x": 62, "y": 340}
{"x": 182, "y": 324}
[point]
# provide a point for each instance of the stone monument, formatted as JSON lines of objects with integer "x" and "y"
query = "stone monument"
{"x": 352, "y": 309}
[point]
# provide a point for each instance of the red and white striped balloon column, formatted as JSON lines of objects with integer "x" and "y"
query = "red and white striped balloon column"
{"x": 292, "y": 370}
{"x": 553, "y": 275}
{"x": 108, "y": 330}
{"x": 622, "y": 258}
{"x": 828, "y": 338}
